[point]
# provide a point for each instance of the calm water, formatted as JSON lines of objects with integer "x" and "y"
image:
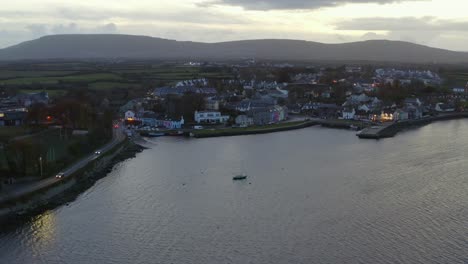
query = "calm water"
{"x": 314, "y": 196}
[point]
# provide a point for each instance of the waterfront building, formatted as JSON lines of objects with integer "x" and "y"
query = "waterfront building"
{"x": 441, "y": 107}
{"x": 400, "y": 115}
{"x": 150, "y": 118}
{"x": 244, "y": 120}
{"x": 12, "y": 117}
{"x": 130, "y": 115}
{"x": 348, "y": 113}
{"x": 268, "y": 115}
{"x": 210, "y": 117}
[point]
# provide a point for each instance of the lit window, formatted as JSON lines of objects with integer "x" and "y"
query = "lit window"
{"x": 2, "y": 115}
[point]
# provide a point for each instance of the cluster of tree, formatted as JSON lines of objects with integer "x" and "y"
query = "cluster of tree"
{"x": 397, "y": 92}
{"x": 79, "y": 109}
{"x": 177, "y": 106}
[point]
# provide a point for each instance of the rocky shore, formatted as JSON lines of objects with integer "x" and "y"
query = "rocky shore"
{"x": 67, "y": 191}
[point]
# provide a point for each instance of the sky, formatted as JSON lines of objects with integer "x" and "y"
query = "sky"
{"x": 436, "y": 23}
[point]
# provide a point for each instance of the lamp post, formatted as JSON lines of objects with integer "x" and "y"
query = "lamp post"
{"x": 40, "y": 164}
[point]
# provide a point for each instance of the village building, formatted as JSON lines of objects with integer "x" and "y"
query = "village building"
{"x": 268, "y": 115}
{"x": 13, "y": 117}
{"x": 210, "y": 117}
{"x": 348, "y": 113}
{"x": 244, "y": 121}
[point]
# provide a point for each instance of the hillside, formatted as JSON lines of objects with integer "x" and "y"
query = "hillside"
{"x": 138, "y": 47}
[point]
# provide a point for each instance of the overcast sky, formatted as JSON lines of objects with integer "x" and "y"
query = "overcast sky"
{"x": 437, "y": 23}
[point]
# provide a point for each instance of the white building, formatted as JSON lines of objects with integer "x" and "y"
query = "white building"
{"x": 210, "y": 117}
{"x": 349, "y": 113}
{"x": 244, "y": 121}
{"x": 129, "y": 115}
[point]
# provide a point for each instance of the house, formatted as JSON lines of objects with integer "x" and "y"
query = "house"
{"x": 12, "y": 117}
{"x": 387, "y": 115}
{"x": 132, "y": 105}
{"x": 307, "y": 90}
{"x": 268, "y": 115}
{"x": 210, "y": 117}
{"x": 400, "y": 115}
{"x": 247, "y": 105}
{"x": 348, "y": 113}
{"x": 181, "y": 90}
{"x": 353, "y": 69}
{"x": 171, "y": 124}
{"x": 29, "y": 99}
{"x": 364, "y": 108}
{"x": 212, "y": 104}
{"x": 320, "y": 109}
{"x": 244, "y": 121}
{"x": 414, "y": 112}
{"x": 130, "y": 115}
{"x": 278, "y": 93}
{"x": 413, "y": 101}
{"x": 362, "y": 115}
{"x": 360, "y": 99}
{"x": 441, "y": 107}
{"x": 150, "y": 118}
{"x": 459, "y": 90}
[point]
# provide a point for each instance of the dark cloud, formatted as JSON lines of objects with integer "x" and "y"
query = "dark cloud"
{"x": 294, "y": 4}
{"x": 402, "y": 24}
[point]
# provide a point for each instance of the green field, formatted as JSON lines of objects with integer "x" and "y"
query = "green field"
{"x": 171, "y": 73}
{"x": 7, "y": 133}
{"x": 456, "y": 79}
{"x": 52, "y": 93}
{"x": 8, "y": 74}
{"x": 85, "y": 78}
{"x": 112, "y": 85}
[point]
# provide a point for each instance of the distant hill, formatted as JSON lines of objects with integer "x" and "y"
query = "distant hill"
{"x": 138, "y": 47}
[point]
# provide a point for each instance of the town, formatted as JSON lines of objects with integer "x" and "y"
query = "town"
{"x": 349, "y": 94}
{"x": 46, "y": 127}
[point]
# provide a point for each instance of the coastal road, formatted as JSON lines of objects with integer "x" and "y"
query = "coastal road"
{"x": 118, "y": 137}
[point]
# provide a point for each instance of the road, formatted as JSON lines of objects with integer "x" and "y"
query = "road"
{"x": 118, "y": 137}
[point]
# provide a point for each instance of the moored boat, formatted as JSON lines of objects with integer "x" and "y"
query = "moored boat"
{"x": 239, "y": 177}
{"x": 155, "y": 134}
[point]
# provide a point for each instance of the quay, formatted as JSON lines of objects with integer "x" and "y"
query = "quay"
{"x": 376, "y": 132}
{"x": 391, "y": 129}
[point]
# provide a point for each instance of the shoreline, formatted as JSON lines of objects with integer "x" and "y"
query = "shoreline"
{"x": 66, "y": 191}
{"x": 335, "y": 123}
{"x": 393, "y": 129}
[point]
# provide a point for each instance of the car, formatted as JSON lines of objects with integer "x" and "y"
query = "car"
{"x": 60, "y": 175}
{"x": 98, "y": 152}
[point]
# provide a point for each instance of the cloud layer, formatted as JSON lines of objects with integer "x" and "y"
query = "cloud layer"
{"x": 295, "y": 4}
{"x": 403, "y": 24}
{"x": 439, "y": 23}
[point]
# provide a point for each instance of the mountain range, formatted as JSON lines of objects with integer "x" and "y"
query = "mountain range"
{"x": 143, "y": 47}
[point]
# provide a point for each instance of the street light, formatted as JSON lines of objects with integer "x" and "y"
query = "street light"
{"x": 40, "y": 164}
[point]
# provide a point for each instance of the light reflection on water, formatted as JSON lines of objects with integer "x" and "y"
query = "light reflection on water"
{"x": 313, "y": 196}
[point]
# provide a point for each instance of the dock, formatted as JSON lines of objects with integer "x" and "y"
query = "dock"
{"x": 376, "y": 132}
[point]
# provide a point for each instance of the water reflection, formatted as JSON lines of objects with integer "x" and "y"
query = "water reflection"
{"x": 316, "y": 196}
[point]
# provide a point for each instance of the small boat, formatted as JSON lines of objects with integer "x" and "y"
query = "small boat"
{"x": 155, "y": 134}
{"x": 176, "y": 133}
{"x": 239, "y": 177}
